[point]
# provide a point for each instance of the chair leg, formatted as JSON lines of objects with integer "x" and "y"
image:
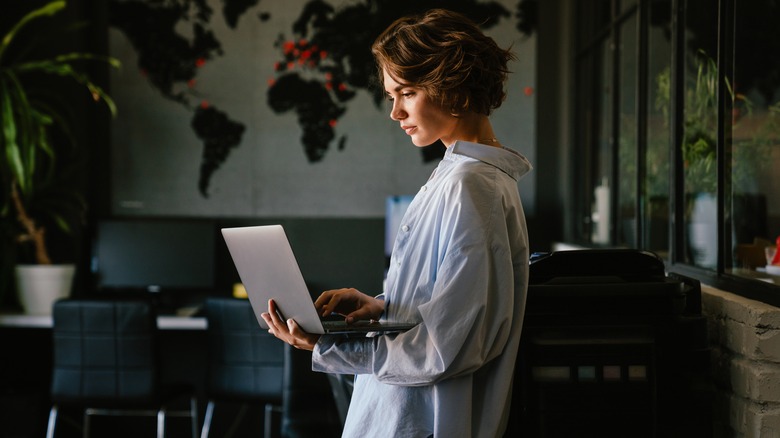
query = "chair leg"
{"x": 52, "y": 422}
{"x": 268, "y": 421}
{"x": 194, "y": 416}
{"x": 86, "y": 423}
{"x": 161, "y": 423}
{"x": 204, "y": 433}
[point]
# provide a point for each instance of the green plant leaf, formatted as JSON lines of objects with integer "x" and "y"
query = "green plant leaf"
{"x": 12, "y": 152}
{"x": 32, "y": 158}
{"x": 61, "y": 66}
{"x": 48, "y": 9}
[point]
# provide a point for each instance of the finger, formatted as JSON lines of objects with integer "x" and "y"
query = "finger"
{"x": 273, "y": 313}
{"x": 300, "y": 338}
{"x": 295, "y": 333}
{"x": 296, "y": 330}
{"x": 292, "y": 327}
{"x": 327, "y": 302}
{"x": 267, "y": 318}
{"x": 360, "y": 314}
{"x": 277, "y": 311}
{"x": 331, "y": 306}
{"x": 323, "y": 298}
{"x": 271, "y": 327}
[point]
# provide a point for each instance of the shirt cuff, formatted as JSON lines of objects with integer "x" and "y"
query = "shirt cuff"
{"x": 381, "y": 297}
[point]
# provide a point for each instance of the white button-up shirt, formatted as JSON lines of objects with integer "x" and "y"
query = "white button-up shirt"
{"x": 459, "y": 268}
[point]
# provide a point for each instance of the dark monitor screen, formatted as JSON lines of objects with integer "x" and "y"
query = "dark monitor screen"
{"x": 154, "y": 255}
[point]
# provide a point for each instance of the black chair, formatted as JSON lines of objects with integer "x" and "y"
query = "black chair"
{"x": 106, "y": 363}
{"x": 342, "y": 386}
{"x": 611, "y": 343}
{"x": 309, "y": 407}
{"x": 246, "y": 364}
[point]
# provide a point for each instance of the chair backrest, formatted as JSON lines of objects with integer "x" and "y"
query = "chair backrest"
{"x": 309, "y": 408}
{"x": 104, "y": 352}
{"x": 245, "y": 361}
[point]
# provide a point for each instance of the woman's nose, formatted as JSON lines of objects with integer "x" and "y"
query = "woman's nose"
{"x": 396, "y": 112}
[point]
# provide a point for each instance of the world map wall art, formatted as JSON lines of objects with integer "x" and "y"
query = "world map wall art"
{"x": 270, "y": 108}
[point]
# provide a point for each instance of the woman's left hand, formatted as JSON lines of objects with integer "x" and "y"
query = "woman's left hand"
{"x": 288, "y": 331}
{"x": 350, "y": 303}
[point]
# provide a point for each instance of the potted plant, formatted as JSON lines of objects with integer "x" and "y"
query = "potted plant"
{"x": 749, "y": 152}
{"x": 35, "y": 140}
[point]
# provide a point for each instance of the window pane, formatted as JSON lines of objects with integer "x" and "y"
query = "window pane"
{"x": 585, "y": 114}
{"x": 596, "y": 18}
{"x": 656, "y": 199}
{"x": 755, "y": 142}
{"x": 700, "y": 133}
{"x": 593, "y": 159}
{"x": 627, "y": 144}
{"x": 602, "y": 151}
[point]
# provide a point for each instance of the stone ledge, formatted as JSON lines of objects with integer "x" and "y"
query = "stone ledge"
{"x": 745, "y": 339}
{"x": 750, "y": 419}
{"x": 744, "y": 326}
{"x": 717, "y": 303}
{"x": 756, "y": 381}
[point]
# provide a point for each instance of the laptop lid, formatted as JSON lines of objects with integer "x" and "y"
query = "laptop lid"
{"x": 267, "y": 267}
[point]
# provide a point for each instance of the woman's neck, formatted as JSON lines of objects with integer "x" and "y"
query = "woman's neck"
{"x": 475, "y": 128}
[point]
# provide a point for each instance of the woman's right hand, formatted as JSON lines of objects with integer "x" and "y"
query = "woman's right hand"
{"x": 350, "y": 303}
{"x": 288, "y": 331}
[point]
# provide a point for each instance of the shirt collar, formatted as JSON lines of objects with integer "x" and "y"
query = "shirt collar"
{"x": 505, "y": 159}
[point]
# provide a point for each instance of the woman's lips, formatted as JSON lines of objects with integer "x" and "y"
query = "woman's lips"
{"x": 409, "y": 129}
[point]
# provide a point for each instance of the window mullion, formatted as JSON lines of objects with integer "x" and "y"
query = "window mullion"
{"x": 614, "y": 37}
{"x": 725, "y": 73}
{"x": 641, "y": 125}
{"x": 677, "y": 115}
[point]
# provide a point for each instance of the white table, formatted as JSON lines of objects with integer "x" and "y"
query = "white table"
{"x": 164, "y": 322}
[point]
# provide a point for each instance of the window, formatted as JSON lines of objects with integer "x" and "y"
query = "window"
{"x": 753, "y": 200}
{"x": 677, "y": 136}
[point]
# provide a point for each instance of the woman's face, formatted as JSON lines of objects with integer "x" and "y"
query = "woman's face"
{"x": 424, "y": 121}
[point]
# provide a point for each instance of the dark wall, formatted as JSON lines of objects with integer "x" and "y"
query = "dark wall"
{"x": 182, "y": 260}
{"x": 338, "y": 252}
{"x": 332, "y": 253}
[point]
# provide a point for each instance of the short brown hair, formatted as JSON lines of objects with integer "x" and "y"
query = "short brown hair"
{"x": 448, "y": 56}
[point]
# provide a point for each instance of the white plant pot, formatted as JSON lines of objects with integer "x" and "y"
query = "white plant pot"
{"x": 39, "y": 286}
{"x": 703, "y": 231}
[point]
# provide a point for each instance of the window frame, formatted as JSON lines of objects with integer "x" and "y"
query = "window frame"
{"x": 582, "y": 180}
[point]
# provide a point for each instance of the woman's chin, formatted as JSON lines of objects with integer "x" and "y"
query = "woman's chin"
{"x": 421, "y": 143}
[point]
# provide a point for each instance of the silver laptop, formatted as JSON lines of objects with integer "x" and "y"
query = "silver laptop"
{"x": 268, "y": 270}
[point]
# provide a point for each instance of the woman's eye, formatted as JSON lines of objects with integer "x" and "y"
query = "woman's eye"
{"x": 407, "y": 94}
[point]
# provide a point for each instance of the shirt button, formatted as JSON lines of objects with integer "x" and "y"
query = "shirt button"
{"x": 405, "y": 228}
{"x": 424, "y": 188}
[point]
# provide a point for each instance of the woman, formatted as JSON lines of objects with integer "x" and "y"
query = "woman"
{"x": 460, "y": 262}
